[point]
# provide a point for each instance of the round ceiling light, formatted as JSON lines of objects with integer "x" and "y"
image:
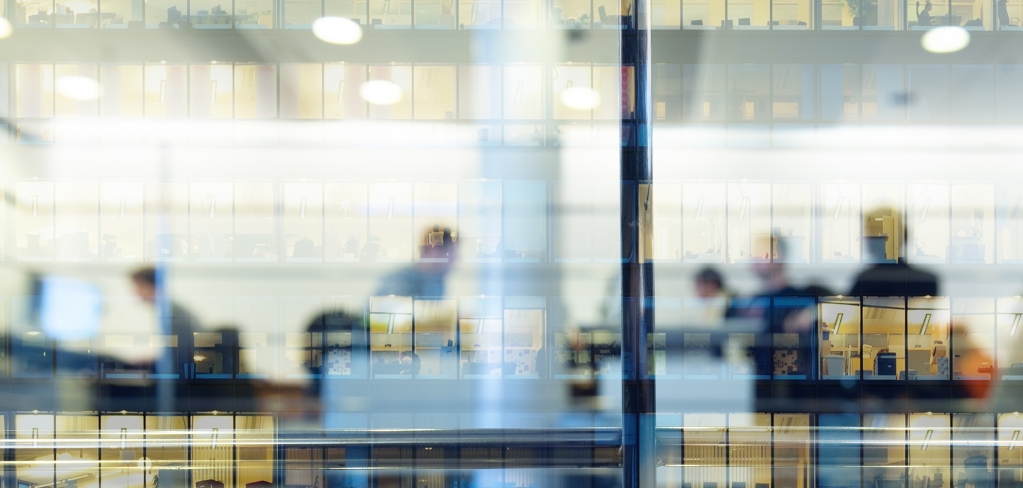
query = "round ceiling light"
{"x": 948, "y": 39}
{"x": 77, "y": 88}
{"x": 580, "y": 98}
{"x": 6, "y": 29}
{"x": 337, "y": 30}
{"x": 380, "y": 92}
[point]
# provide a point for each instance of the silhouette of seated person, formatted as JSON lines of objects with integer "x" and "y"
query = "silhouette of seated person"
{"x": 923, "y": 17}
{"x": 305, "y": 248}
{"x": 175, "y": 19}
{"x": 410, "y": 363}
{"x": 889, "y": 275}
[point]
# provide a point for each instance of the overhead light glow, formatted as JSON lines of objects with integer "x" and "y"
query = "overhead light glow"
{"x": 337, "y": 30}
{"x": 6, "y": 29}
{"x": 380, "y": 92}
{"x": 78, "y": 88}
{"x": 580, "y": 98}
{"x": 948, "y": 39}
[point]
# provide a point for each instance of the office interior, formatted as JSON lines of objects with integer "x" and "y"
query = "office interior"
{"x": 126, "y": 449}
{"x": 290, "y": 201}
{"x": 379, "y": 221}
{"x": 696, "y": 106}
{"x": 876, "y": 15}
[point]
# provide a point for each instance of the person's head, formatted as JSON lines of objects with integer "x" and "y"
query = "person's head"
{"x": 928, "y": 6}
{"x": 709, "y": 283}
{"x": 144, "y": 280}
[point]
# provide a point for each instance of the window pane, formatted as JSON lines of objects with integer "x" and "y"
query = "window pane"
{"x": 33, "y": 87}
{"x": 301, "y": 91}
{"x": 255, "y": 91}
{"x": 434, "y": 92}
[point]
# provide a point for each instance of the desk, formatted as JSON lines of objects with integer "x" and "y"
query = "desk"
{"x": 94, "y": 19}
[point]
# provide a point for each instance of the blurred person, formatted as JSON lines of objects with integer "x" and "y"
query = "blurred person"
{"x": 971, "y": 362}
{"x": 321, "y": 403}
{"x": 779, "y": 308}
{"x": 709, "y": 284}
{"x": 410, "y": 363}
{"x": 711, "y": 301}
{"x": 1003, "y": 13}
{"x": 426, "y": 277}
{"x": 886, "y": 278}
{"x": 182, "y": 323}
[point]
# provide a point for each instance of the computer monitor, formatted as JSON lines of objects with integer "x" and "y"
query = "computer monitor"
{"x": 68, "y": 309}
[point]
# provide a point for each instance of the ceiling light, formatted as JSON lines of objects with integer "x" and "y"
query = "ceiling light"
{"x": 1015, "y": 437}
{"x": 948, "y": 39}
{"x": 6, "y": 29}
{"x": 927, "y": 439}
{"x": 78, "y": 88}
{"x": 337, "y": 30}
{"x": 380, "y": 92}
{"x": 580, "y": 98}
{"x": 927, "y": 321}
{"x": 1015, "y": 324}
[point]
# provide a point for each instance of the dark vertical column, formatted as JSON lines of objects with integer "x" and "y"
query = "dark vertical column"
{"x": 638, "y": 454}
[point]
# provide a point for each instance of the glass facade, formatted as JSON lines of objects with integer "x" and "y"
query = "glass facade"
{"x": 788, "y": 15}
{"x": 510, "y": 244}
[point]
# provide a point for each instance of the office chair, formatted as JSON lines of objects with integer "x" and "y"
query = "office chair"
{"x": 744, "y": 22}
{"x": 696, "y": 22}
